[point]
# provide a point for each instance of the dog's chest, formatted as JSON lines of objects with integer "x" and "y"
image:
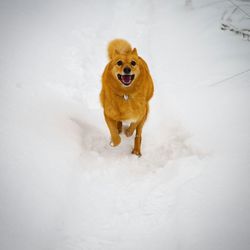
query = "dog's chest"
{"x": 125, "y": 97}
{"x": 125, "y": 108}
{"x": 130, "y": 108}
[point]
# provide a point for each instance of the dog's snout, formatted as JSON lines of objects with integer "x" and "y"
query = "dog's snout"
{"x": 127, "y": 70}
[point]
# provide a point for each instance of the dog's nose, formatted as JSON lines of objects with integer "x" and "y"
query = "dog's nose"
{"x": 127, "y": 70}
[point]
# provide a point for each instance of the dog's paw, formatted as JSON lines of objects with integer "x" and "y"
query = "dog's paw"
{"x": 129, "y": 132}
{"x": 115, "y": 141}
{"x": 136, "y": 152}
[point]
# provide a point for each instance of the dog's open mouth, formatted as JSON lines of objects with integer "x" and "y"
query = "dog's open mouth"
{"x": 126, "y": 79}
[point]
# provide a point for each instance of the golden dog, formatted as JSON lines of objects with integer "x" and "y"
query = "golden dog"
{"x": 126, "y": 90}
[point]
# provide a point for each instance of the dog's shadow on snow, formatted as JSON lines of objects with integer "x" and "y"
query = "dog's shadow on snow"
{"x": 97, "y": 141}
{"x": 93, "y": 139}
{"x": 157, "y": 150}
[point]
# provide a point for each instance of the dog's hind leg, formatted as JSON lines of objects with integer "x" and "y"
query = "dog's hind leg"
{"x": 119, "y": 127}
{"x": 130, "y": 130}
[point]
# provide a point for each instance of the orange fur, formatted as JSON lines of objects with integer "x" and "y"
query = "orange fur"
{"x": 118, "y": 46}
{"x": 123, "y": 102}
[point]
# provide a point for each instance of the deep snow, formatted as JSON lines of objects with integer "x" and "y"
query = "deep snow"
{"x": 63, "y": 187}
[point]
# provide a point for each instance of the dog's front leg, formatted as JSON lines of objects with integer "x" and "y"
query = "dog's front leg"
{"x": 112, "y": 125}
{"x": 138, "y": 137}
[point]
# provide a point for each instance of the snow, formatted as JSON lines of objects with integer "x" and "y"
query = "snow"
{"x": 236, "y": 18}
{"x": 61, "y": 184}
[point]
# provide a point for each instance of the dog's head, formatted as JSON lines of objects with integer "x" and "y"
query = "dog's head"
{"x": 125, "y": 68}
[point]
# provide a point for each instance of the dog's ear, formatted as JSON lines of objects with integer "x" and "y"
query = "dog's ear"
{"x": 134, "y": 52}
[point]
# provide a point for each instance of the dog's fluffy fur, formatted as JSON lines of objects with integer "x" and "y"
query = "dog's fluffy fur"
{"x": 127, "y": 88}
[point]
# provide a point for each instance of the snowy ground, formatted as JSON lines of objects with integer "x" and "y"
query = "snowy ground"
{"x": 62, "y": 187}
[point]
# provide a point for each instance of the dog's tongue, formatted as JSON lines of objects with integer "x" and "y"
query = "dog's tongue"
{"x": 126, "y": 78}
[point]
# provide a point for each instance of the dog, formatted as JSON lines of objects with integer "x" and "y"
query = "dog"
{"x": 127, "y": 87}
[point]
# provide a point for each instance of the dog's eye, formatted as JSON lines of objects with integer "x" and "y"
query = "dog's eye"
{"x": 133, "y": 63}
{"x": 119, "y": 63}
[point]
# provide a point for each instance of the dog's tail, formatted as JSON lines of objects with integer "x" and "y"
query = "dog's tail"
{"x": 118, "y": 46}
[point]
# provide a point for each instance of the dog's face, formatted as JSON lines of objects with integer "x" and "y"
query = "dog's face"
{"x": 125, "y": 68}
